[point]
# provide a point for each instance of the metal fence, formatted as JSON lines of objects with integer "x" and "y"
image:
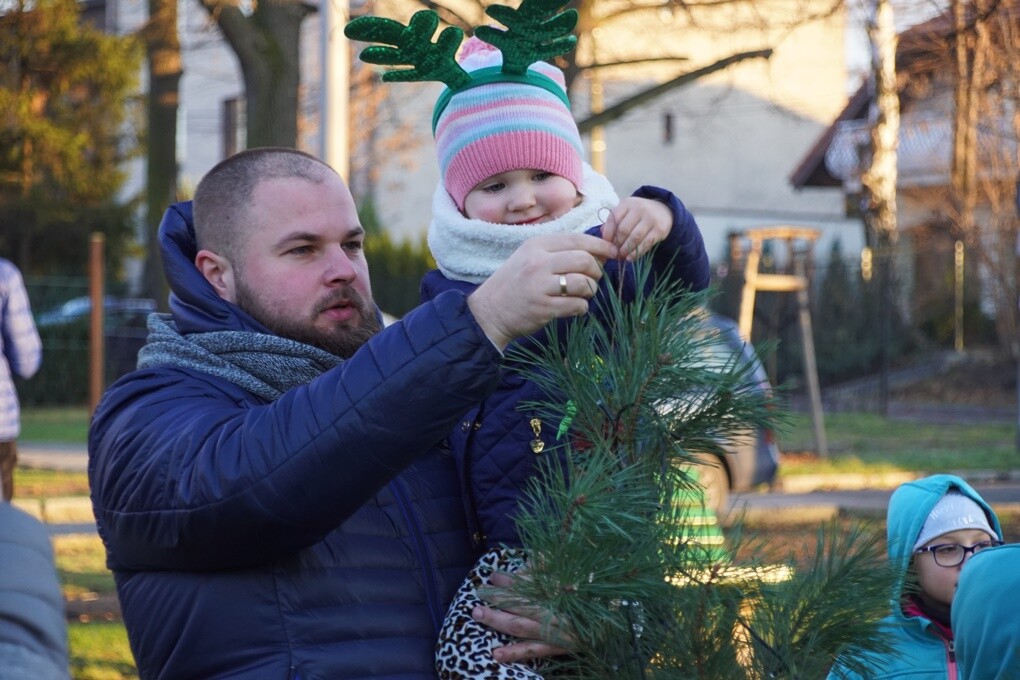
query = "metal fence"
{"x": 61, "y": 308}
{"x": 933, "y": 306}
{"x": 845, "y": 312}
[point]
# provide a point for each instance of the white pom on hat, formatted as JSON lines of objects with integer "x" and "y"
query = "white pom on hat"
{"x": 953, "y": 512}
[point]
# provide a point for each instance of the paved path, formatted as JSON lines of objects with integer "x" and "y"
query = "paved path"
{"x": 59, "y": 456}
{"x": 805, "y": 499}
{"x": 1002, "y": 494}
{"x": 68, "y": 515}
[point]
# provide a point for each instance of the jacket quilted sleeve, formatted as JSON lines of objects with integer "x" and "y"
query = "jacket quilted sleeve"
{"x": 190, "y": 472}
{"x": 33, "y": 632}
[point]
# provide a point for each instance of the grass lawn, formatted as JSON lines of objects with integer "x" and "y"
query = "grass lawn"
{"x": 864, "y": 442}
{"x": 65, "y": 424}
{"x": 100, "y": 651}
{"x": 857, "y": 441}
{"x": 38, "y": 483}
{"x": 96, "y": 637}
{"x": 81, "y": 565}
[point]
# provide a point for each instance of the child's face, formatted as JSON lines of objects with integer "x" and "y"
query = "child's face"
{"x": 521, "y": 197}
{"x": 938, "y": 582}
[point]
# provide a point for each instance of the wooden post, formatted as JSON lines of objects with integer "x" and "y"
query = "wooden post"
{"x": 785, "y": 283}
{"x": 97, "y": 336}
{"x": 810, "y": 365}
{"x": 958, "y": 273}
{"x": 747, "y": 295}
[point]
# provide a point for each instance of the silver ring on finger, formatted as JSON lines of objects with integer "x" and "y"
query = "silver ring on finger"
{"x": 563, "y": 285}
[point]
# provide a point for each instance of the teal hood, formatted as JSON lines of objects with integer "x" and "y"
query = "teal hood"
{"x": 909, "y": 508}
{"x": 985, "y": 616}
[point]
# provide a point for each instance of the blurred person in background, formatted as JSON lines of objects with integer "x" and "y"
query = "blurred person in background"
{"x": 934, "y": 525}
{"x": 33, "y": 632}
{"x": 22, "y": 354}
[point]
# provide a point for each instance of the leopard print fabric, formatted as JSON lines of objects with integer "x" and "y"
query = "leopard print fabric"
{"x": 464, "y": 650}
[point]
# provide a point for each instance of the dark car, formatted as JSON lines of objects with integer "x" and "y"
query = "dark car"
{"x": 65, "y": 333}
{"x": 751, "y": 459}
{"x": 119, "y": 311}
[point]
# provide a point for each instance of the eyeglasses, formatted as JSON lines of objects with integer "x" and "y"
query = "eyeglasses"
{"x": 953, "y": 554}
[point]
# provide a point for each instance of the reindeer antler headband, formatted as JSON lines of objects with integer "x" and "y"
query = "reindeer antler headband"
{"x": 536, "y": 31}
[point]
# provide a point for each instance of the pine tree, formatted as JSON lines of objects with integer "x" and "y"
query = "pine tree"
{"x": 614, "y": 559}
{"x": 65, "y": 100}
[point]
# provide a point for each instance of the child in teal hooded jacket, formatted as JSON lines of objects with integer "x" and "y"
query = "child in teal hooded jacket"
{"x": 985, "y": 616}
{"x": 933, "y": 526}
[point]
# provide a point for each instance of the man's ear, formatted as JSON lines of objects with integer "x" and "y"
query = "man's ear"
{"x": 218, "y": 272}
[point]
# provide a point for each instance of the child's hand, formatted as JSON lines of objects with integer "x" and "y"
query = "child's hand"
{"x": 637, "y": 224}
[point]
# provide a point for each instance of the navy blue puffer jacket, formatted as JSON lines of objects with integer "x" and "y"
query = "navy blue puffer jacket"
{"x": 320, "y": 536}
{"x": 492, "y": 443}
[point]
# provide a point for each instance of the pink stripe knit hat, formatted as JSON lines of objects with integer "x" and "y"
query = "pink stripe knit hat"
{"x": 500, "y": 122}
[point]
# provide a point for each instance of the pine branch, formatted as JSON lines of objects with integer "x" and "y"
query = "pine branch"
{"x": 614, "y": 555}
{"x": 606, "y": 547}
{"x": 832, "y": 607}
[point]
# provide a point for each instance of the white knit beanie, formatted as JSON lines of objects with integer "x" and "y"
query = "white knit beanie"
{"x": 953, "y": 512}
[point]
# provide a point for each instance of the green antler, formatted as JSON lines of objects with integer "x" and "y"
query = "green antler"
{"x": 535, "y": 32}
{"x": 412, "y": 46}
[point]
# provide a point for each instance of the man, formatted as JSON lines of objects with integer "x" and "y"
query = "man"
{"x": 268, "y": 483}
{"x": 20, "y": 356}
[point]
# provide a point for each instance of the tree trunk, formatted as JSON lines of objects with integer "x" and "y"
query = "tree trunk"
{"x": 880, "y": 176}
{"x": 164, "y": 53}
{"x": 962, "y": 172}
{"x": 268, "y": 49}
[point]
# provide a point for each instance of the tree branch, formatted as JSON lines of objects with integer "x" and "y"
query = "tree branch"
{"x": 617, "y": 111}
{"x": 632, "y": 62}
{"x": 451, "y": 16}
{"x": 234, "y": 25}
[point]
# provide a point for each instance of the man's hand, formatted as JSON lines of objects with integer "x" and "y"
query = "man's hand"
{"x": 525, "y": 626}
{"x": 636, "y": 224}
{"x": 548, "y": 277}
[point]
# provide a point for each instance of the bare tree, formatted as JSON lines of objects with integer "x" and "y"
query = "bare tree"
{"x": 973, "y": 52}
{"x": 985, "y": 161}
{"x": 880, "y": 174}
{"x": 878, "y": 180}
{"x": 267, "y": 44}
{"x": 164, "y": 55}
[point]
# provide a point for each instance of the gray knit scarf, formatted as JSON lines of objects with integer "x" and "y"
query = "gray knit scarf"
{"x": 265, "y": 365}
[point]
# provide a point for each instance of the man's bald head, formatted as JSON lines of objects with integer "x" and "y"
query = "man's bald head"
{"x": 222, "y": 203}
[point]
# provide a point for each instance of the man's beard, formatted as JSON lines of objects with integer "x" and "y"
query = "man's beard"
{"x": 339, "y": 340}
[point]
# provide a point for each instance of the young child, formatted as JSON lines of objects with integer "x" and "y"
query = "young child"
{"x": 985, "y": 616}
{"x": 934, "y": 525}
{"x": 510, "y": 157}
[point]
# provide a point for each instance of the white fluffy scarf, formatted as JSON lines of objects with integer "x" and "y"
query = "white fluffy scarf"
{"x": 471, "y": 250}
